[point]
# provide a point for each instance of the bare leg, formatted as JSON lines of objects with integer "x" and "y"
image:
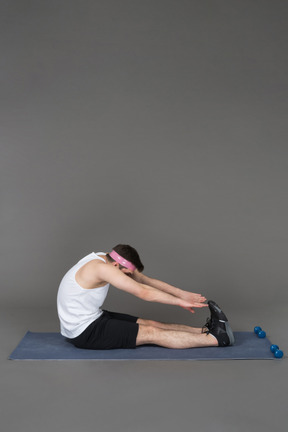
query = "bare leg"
{"x": 164, "y": 326}
{"x": 173, "y": 339}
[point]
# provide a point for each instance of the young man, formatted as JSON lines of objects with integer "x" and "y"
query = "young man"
{"x": 83, "y": 290}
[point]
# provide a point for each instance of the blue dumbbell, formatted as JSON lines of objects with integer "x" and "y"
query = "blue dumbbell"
{"x": 259, "y": 332}
{"x": 262, "y": 334}
{"x": 278, "y": 353}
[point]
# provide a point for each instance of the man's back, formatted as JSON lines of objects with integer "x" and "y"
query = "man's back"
{"x": 78, "y": 306}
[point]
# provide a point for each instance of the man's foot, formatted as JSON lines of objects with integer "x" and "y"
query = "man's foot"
{"x": 223, "y": 333}
{"x": 216, "y": 315}
{"x": 216, "y": 311}
{"x": 217, "y": 325}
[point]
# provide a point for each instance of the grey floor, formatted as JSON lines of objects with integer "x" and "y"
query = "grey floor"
{"x": 84, "y": 396}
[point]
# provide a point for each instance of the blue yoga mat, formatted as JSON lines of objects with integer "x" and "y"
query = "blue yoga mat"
{"x": 53, "y": 346}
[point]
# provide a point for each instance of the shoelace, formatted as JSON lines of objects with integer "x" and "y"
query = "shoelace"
{"x": 208, "y": 325}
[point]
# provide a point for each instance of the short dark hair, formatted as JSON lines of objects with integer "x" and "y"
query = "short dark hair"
{"x": 129, "y": 253}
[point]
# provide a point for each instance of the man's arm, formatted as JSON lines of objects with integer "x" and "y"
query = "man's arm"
{"x": 145, "y": 292}
{"x": 196, "y": 299}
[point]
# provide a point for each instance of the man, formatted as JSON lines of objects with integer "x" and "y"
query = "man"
{"x": 83, "y": 290}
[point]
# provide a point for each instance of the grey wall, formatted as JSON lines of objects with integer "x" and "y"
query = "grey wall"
{"x": 162, "y": 124}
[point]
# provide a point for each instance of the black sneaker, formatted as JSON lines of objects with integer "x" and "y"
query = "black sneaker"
{"x": 223, "y": 333}
{"x": 216, "y": 311}
{"x": 216, "y": 315}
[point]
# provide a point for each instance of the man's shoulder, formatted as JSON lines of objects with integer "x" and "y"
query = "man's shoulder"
{"x": 89, "y": 274}
{"x": 93, "y": 265}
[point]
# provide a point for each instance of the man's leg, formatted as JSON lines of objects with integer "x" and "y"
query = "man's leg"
{"x": 164, "y": 326}
{"x": 219, "y": 332}
{"x": 148, "y": 334}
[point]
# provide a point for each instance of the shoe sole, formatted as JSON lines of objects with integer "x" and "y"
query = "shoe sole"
{"x": 229, "y": 333}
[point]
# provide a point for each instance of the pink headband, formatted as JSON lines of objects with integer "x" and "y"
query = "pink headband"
{"x": 118, "y": 258}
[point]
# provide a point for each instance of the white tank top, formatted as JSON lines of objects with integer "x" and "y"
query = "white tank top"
{"x": 78, "y": 307}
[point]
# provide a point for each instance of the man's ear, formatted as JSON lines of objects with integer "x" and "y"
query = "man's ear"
{"x": 126, "y": 271}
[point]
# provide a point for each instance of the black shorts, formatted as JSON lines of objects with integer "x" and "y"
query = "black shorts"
{"x": 111, "y": 330}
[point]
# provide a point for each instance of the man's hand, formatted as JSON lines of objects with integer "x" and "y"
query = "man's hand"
{"x": 197, "y": 299}
{"x": 190, "y": 305}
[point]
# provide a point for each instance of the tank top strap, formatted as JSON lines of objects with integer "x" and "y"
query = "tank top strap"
{"x": 100, "y": 253}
